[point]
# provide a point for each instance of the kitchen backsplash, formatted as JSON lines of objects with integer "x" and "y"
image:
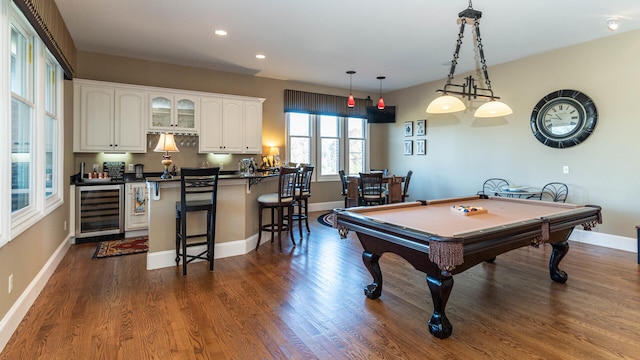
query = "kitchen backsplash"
{"x": 187, "y": 157}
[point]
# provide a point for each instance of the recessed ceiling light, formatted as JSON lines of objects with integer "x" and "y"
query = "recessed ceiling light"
{"x": 612, "y": 23}
{"x": 260, "y": 56}
{"x": 220, "y": 32}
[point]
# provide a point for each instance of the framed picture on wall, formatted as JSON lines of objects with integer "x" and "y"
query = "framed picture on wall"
{"x": 421, "y": 128}
{"x": 408, "y": 147}
{"x": 421, "y": 147}
{"x": 408, "y": 128}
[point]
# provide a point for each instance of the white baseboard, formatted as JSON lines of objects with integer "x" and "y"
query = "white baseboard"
{"x": 167, "y": 258}
{"x": 14, "y": 316}
{"x": 605, "y": 240}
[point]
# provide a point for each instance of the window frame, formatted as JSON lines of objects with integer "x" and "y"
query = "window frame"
{"x": 315, "y": 143}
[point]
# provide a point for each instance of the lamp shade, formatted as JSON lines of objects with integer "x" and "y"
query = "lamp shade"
{"x": 351, "y": 102}
{"x": 166, "y": 143}
{"x": 445, "y": 104}
{"x": 274, "y": 151}
{"x": 493, "y": 109}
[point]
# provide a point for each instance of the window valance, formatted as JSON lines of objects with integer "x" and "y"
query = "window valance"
{"x": 45, "y": 18}
{"x": 323, "y": 104}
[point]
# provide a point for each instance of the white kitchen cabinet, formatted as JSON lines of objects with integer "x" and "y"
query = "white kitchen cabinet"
{"x": 253, "y": 127}
{"x": 231, "y": 125}
{"x": 174, "y": 112}
{"x": 109, "y": 118}
{"x": 136, "y": 201}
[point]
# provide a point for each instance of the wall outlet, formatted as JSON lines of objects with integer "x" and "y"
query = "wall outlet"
{"x": 10, "y": 283}
{"x": 565, "y": 169}
{"x": 130, "y": 167}
{"x": 65, "y": 225}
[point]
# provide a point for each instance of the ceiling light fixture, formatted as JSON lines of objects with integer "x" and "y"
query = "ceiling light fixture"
{"x": 612, "y": 23}
{"x": 351, "y": 102}
{"x": 260, "y": 56}
{"x": 381, "y": 100}
{"x": 447, "y": 103}
{"x": 220, "y": 32}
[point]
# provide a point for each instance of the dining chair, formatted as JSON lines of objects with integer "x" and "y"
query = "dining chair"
{"x": 371, "y": 190}
{"x": 405, "y": 189}
{"x": 343, "y": 180}
{"x": 493, "y": 186}
{"x": 555, "y": 191}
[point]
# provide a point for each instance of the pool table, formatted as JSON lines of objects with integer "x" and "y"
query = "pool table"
{"x": 441, "y": 241}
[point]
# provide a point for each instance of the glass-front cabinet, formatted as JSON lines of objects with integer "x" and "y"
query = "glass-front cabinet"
{"x": 174, "y": 112}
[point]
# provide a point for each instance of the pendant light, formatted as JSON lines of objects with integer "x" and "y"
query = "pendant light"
{"x": 351, "y": 102}
{"x": 381, "y": 100}
{"x": 447, "y": 103}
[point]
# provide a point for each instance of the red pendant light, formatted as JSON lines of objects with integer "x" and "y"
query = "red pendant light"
{"x": 351, "y": 102}
{"x": 381, "y": 100}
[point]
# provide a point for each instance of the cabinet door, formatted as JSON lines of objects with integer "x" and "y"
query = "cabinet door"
{"x": 253, "y": 127}
{"x": 233, "y": 125}
{"x": 187, "y": 113}
{"x": 136, "y": 207}
{"x": 95, "y": 119}
{"x": 161, "y": 112}
{"x": 130, "y": 120}
{"x": 210, "y": 125}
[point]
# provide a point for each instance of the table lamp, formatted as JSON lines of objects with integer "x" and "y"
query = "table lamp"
{"x": 274, "y": 152}
{"x": 166, "y": 143}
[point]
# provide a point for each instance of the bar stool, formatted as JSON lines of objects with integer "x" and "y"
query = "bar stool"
{"x": 199, "y": 189}
{"x": 284, "y": 198}
{"x": 303, "y": 193}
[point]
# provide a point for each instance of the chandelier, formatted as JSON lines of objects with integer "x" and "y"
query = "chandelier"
{"x": 448, "y": 104}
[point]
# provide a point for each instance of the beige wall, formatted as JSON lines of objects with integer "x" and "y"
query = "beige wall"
{"x": 463, "y": 151}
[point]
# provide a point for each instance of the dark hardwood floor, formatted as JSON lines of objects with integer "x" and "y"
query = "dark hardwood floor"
{"x": 308, "y": 303}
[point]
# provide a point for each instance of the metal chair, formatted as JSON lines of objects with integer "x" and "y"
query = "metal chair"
{"x": 196, "y": 184}
{"x": 371, "y": 190}
{"x": 492, "y": 186}
{"x": 405, "y": 189}
{"x": 281, "y": 200}
{"x": 555, "y": 191}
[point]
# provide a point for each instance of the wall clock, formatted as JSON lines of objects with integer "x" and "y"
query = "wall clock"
{"x": 563, "y": 118}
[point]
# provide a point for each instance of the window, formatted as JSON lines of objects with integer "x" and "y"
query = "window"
{"x": 330, "y": 142}
{"x": 32, "y": 95}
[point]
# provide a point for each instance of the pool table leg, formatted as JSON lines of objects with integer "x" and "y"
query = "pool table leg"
{"x": 560, "y": 249}
{"x": 373, "y": 290}
{"x": 439, "y": 325}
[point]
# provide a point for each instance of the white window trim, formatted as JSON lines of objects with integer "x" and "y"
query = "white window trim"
{"x": 315, "y": 146}
{"x": 13, "y": 224}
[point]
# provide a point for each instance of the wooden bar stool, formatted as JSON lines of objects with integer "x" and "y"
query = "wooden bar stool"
{"x": 303, "y": 193}
{"x": 281, "y": 200}
{"x": 199, "y": 189}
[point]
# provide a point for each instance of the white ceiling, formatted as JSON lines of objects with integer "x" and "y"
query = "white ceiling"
{"x": 408, "y": 41}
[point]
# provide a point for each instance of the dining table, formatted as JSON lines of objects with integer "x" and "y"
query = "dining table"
{"x": 394, "y": 188}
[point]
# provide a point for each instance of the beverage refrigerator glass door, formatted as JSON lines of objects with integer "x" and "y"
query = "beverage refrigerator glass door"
{"x": 99, "y": 210}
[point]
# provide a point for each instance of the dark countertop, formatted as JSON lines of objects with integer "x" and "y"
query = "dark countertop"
{"x": 155, "y": 177}
{"x": 223, "y": 175}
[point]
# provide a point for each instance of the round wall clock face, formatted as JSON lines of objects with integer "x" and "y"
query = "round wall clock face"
{"x": 563, "y": 118}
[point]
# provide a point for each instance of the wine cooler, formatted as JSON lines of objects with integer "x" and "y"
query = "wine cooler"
{"x": 99, "y": 210}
